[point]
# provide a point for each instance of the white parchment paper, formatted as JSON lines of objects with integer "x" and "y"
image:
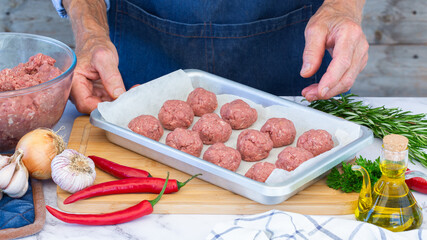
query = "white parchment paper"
{"x": 148, "y": 98}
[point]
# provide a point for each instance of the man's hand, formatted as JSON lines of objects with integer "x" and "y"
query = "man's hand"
{"x": 96, "y": 77}
{"x": 335, "y": 27}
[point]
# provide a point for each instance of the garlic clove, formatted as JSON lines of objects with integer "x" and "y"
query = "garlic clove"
{"x": 4, "y": 160}
{"x": 18, "y": 185}
{"x": 6, "y": 174}
{"x": 20, "y": 192}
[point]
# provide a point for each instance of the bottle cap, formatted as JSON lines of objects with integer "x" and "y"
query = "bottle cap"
{"x": 395, "y": 143}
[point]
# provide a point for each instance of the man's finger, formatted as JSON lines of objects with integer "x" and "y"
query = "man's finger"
{"x": 315, "y": 41}
{"x": 342, "y": 57}
{"x": 134, "y": 86}
{"x": 107, "y": 67}
{"x": 364, "y": 61}
{"x": 82, "y": 96}
{"x": 306, "y": 90}
{"x": 99, "y": 91}
{"x": 358, "y": 62}
{"x": 344, "y": 85}
{"x": 310, "y": 92}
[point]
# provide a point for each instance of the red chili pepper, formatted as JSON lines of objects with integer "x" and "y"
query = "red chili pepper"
{"x": 143, "y": 208}
{"x": 417, "y": 183}
{"x": 127, "y": 185}
{"x": 118, "y": 170}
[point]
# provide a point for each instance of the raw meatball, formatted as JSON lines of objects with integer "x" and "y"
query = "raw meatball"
{"x": 316, "y": 141}
{"x": 212, "y": 129}
{"x": 185, "y": 140}
{"x": 176, "y": 114}
{"x": 202, "y": 101}
{"x": 281, "y": 130}
{"x": 260, "y": 171}
{"x": 254, "y": 145}
{"x": 148, "y": 126}
{"x": 291, "y": 157}
{"x": 223, "y": 156}
{"x": 238, "y": 114}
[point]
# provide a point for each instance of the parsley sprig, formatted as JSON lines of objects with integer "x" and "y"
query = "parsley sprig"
{"x": 382, "y": 121}
{"x": 351, "y": 181}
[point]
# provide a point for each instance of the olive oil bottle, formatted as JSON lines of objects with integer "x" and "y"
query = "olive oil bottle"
{"x": 391, "y": 204}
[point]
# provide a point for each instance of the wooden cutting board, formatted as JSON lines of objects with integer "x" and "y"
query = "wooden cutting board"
{"x": 198, "y": 196}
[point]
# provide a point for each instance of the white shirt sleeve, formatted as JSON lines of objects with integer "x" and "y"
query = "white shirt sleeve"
{"x": 61, "y": 10}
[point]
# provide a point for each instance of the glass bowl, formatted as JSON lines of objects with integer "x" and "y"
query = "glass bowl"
{"x": 41, "y": 105}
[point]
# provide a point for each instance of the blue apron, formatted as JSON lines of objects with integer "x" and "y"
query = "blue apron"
{"x": 257, "y": 42}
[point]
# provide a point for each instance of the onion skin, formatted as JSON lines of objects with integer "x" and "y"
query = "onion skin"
{"x": 40, "y": 146}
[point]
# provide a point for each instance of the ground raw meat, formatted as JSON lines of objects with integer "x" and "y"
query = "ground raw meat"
{"x": 281, "y": 130}
{"x": 212, "y": 129}
{"x": 202, "y": 101}
{"x": 22, "y": 113}
{"x": 238, "y": 114}
{"x": 316, "y": 141}
{"x": 185, "y": 140}
{"x": 291, "y": 157}
{"x": 176, "y": 114}
{"x": 260, "y": 171}
{"x": 39, "y": 69}
{"x": 223, "y": 156}
{"x": 254, "y": 145}
{"x": 148, "y": 126}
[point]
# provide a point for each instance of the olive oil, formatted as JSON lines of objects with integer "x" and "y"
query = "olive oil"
{"x": 394, "y": 206}
{"x": 390, "y": 204}
{"x": 392, "y": 169}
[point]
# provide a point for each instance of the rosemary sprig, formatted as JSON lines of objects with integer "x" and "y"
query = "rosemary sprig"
{"x": 381, "y": 121}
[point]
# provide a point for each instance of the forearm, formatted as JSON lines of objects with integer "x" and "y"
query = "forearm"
{"x": 88, "y": 19}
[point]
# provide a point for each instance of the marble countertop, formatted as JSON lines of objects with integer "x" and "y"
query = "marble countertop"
{"x": 189, "y": 226}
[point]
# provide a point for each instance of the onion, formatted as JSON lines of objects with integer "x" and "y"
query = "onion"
{"x": 40, "y": 146}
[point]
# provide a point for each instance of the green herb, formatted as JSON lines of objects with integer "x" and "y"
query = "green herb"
{"x": 351, "y": 181}
{"x": 382, "y": 121}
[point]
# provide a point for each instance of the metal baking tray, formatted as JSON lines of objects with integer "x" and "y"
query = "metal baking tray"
{"x": 234, "y": 182}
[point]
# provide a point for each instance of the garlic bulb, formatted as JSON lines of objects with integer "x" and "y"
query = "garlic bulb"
{"x": 72, "y": 171}
{"x": 18, "y": 185}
